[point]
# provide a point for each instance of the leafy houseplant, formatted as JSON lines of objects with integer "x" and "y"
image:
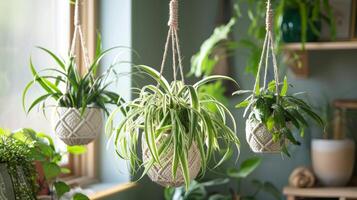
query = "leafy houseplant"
{"x": 274, "y": 115}
{"x": 34, "y": 147}
{"x": 16, "y": 157}
{"x": 179, "y": 132}
{"x": 79, "y": 97}
{"x": 198, "y": 191}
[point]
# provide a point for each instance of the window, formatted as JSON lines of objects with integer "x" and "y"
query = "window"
{"x": 23, "y": 26}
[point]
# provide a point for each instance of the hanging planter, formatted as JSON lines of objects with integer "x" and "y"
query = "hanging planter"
{"x": 272, "y": 112}
{"x": 75, "y": 128}
{"x": 81, "y": 97}
{"x": 175, "y": 123}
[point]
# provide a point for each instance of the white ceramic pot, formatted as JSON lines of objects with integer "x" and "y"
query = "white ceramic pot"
{"x": 162, "y": 175}
{"x": 333, "y": 161}
{"x": 260, "y": 140}
{"x": 76, "y": 129}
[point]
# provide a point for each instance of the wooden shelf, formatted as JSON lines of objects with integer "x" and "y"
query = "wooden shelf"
{"x": 342, "y": 193}
{"x": 340, "y": 45}
{"x": 297, "y": 58}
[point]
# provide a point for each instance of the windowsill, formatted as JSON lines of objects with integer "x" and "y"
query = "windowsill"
{"x": 102, "y": 190}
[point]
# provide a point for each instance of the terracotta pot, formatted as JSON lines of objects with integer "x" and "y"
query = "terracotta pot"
{"x": 333, "y": 161}
{"x": 162, "y": 174}
{"x": 260, "y": 140}
{"x": 74, "y": 128}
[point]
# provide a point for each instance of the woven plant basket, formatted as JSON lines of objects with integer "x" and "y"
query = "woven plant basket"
{"x": 259, "y": 138}
{"x": 76, "y": 129}
{"x": 162, "y": 175}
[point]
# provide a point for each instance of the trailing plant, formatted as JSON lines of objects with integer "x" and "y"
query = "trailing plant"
{"x": 310, "y": 11}
{"x": 68, "y": 87}
{"x": 177, "y": 115}
{"x": 39, "y": 147}
{"x": 199, "y": 191}
{"x": 17, "y": 156}
{"x": 279, "y": 112}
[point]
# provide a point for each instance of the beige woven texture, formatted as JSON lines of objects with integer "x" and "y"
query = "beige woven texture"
{"x": 259, "y": 138}
{"x": 74, "y": 129}
{"x": 162, "y": 175}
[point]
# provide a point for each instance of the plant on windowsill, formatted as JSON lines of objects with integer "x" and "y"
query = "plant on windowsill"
{"x": 24, "y": 148}
{"x": 179, "y": 131}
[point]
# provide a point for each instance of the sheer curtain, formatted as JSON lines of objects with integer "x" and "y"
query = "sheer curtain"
{"x": 24, "y": 25}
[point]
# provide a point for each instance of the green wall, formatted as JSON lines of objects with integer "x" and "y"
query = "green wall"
{"x": 333, "y": 74}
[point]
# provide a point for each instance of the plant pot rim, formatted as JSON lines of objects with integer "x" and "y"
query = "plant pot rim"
{"x": 331, "y": 140}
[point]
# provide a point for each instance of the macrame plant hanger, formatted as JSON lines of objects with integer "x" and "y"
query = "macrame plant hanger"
{"x": 258, "y": 137}
{"x": 175, "y": 43}
{"x": 79, "y": 33}
{"x": 268, "y": 45}
{"x": 85, "y": 126}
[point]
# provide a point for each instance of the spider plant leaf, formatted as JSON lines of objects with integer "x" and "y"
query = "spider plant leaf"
{"x": 39, "y": 79}
{"x": 37, "y": 101}
{"x": 228, "y": 153}
{"x": 184, "y": 167}
{"x": 243, "y": 104}
{"x": 58, "y": 60}
{"x": 156, "y": 76}
{"x": 239, "y": 92}
{"x": 24, "y": 93}
{"x": 284, "y": 89}
{"x": 213, "y": 78}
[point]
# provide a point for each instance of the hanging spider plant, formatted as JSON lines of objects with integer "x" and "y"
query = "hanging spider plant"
{"x": 174, "y": 121}
{"x": 79, "y": 98}
{"x": 276, "y": 114}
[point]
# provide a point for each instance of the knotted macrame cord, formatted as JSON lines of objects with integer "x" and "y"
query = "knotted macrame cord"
{"x": 268, "y": 45}
{"x": 78, "y": 31}
{"x": 175, "y": 44}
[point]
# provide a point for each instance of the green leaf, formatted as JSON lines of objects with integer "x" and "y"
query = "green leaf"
{"x": 213, "y": 78}
{"x": 80, "y": 196}
{"x": 243, "y": 104}
{"x": 59, "y": 62}
{"x": 246, "y": 168}
{"x": 51, "y": 170}
{"x": 61, "y": 188}
{"x": 285, "y": 87}
{"x": 76, "y": 150}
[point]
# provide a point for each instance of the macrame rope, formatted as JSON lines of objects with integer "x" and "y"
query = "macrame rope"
{"x": 172, "y": 36}
{"x": 78, "y": 31}
{"x": 268, "y": 45}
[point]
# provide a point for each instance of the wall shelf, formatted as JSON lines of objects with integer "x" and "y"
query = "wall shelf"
{"x": 342, "y": 193}
{"x": 310, "y": 46}
{"x": 297, "y": 58}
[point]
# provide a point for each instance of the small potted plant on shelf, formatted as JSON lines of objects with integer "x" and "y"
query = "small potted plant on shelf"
{"x": 333, "y": 157}
{"x": 179, "y": 131}
{"x": 79, "y": 98}
{"x": 24, "y": 149}
{"x": 272, "y": 117}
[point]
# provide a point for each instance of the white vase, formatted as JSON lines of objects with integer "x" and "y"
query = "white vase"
{"x": 259, "y": 138}
{"x": 74, "y": 128}
{"x": 333, "y": 161}
{"x": 162, "y": 174}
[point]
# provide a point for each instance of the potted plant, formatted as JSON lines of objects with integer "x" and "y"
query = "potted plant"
{"x": 17, "y": 174}
{"x": 180, "y": 133}
{"x": 271, "y": 117}
{"x": 79, "y": 98}
{"x": 199, "y": 191}
{"x": 33, "y": 148}
{"x": 333, "y": 157}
